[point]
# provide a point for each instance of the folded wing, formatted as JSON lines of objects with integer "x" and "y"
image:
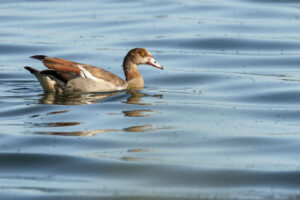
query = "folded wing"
{"x": 69, "y": 70}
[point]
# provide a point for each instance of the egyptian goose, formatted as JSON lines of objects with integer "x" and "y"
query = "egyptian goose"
{"x": 68, "y": 76}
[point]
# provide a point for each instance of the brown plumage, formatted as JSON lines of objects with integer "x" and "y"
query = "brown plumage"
{"x": 65, "y": 75}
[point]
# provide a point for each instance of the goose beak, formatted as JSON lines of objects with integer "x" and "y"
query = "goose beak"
{"x": 154, "y": 63}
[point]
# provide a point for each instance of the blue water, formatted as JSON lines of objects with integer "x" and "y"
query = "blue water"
{"x": 221, "y": 121}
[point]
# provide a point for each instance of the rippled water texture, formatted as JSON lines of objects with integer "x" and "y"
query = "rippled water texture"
{"x": 220, "y": 122}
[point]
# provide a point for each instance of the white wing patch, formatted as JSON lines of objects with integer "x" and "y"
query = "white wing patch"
{"x": 86, "y": 74}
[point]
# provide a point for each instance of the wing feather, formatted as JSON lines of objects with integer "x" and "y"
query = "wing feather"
{"x": 69, "y": 69}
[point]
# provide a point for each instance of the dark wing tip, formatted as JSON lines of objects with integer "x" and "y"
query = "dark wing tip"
{"x": 31, "y": 70}
{"x": 38, "y": 57}
{"x": 49, "y": 72}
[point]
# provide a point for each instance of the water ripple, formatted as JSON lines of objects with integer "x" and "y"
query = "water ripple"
{"x": 219, "y": 122}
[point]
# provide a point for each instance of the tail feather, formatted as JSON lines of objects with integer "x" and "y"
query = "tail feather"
{"x": 31, "y": 70}
{"x": 46, "y": 82}
{"x": 38, "y": 57}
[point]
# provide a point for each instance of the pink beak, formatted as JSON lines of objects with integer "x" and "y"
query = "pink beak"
{"x": 153, "y": 62}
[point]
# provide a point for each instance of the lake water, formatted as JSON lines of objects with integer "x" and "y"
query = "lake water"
{"x": 222, "y": 121}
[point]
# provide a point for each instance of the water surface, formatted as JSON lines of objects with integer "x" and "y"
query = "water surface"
{"x": 220, "y": 122}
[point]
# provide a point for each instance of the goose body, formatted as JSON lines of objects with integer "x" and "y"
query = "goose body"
{"x": 67, "y": 76}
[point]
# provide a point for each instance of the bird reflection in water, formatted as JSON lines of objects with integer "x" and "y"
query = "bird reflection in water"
{"x": 91, "y": 98}
{"x": 136, "y": 97}
{"x": 133, "y": 155}
{"x": 142, "y": 128}
{"x": 74, "y": 98}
